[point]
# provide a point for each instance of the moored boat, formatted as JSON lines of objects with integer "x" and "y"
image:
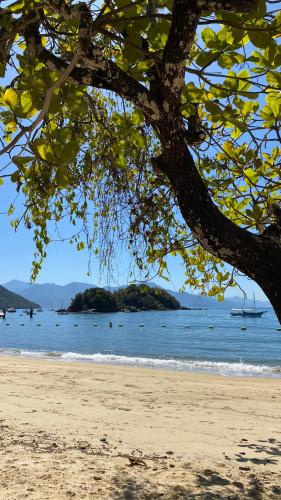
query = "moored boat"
{"x": 251, "y": 312}
{"x": 247, "y": 312}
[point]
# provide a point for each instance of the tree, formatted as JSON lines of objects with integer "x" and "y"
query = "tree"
{"x": 145, "y": 297}
{"x": 94, "y": 298}
{"x": 153, "y": 121}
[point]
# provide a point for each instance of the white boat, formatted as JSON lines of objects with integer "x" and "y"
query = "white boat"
{"x": 11, "y": 310}
{"x": 2, "y": 314}
{"x": 251, "y": 312}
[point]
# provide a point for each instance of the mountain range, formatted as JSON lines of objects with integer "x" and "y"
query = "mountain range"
{"x": 52, "y": 296}
{"x": 11, "y": 299}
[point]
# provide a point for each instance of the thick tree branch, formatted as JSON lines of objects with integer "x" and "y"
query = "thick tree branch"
{"x": 216, "y": 233}
{"x": 98, "y": 72}
{"x": 185, "y": 18}
{"x": 180, "y": 40}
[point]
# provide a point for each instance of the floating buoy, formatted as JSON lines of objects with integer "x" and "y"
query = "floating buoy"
{"x": 211, "y": 327}
{"x": 39, "y": 324}
{"x": 75, "y": 325}
{"x": 188, "y": 326}
{"x": 120, "y": 325}
{"x": 278, "y": 329}
{"x": 141, "y": 325}
{"x": 57, "y": 325}
{"x": 22, "y": 324}
{"x": 110, "y": 324}
{"x": 243, "y": 328}
{"x": 7, "y": 324}
{"x": 163, "y": 326}
{"x": 95, "y": 324}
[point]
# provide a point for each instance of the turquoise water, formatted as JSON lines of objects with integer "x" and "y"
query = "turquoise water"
{"x": 177, "y": 340}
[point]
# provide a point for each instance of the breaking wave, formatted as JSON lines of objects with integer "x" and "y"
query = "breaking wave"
{"x": 216, "y": 367}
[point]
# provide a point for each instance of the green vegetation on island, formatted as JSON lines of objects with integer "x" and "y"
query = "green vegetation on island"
{"x": 132, "y": 298}
{"x": 97, "y": 299}
{"x": 10, "y": 299}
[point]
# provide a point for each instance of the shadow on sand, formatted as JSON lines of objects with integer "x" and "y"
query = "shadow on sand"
{"x": 267, "y": 451}
{"x": 209, "y": 485}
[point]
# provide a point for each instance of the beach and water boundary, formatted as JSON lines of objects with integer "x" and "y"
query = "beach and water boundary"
{"x": 193, "y": 341}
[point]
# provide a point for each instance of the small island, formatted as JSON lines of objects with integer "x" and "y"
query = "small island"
{"x": 133, "y": 298}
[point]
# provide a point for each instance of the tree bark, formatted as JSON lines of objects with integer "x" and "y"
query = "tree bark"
{"x": 256, "y": 256}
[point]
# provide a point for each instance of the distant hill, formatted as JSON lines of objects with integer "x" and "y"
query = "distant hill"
{"x": 49, "y": 295}
{"x": 10, "y": 299}
{"x": 52, "y": 296}
{"x": 198, "y": 301}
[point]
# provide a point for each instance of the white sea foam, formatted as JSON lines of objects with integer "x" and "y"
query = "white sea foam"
{"x": 218, "y": 367}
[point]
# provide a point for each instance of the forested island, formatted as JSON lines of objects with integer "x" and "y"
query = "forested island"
{"x": 133, "y": 298}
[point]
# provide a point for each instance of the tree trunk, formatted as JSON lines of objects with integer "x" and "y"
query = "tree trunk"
{"x": 270, "y": 281}
{"x": 257, "y": 257}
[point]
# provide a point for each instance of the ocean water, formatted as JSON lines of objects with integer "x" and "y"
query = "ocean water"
{"x": 202, "y": 341}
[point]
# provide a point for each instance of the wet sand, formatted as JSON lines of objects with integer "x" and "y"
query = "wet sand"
{"x": 80, "y": 430}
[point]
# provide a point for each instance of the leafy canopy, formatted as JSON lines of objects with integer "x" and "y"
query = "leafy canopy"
{"x": 77, "y": 139}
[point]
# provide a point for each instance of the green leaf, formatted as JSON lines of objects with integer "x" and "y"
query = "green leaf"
{"x": 23, "y": 160}
{"x": 206, "y": 58}
{"x": 138, "y": 138}
{"x": 209, "y": 37}
{"x": 257, "y": 212}
{"x": 26, "y": 103}
{"x": 62, "y": 176}
{"x": 228, "y": 60}
{"x": 80, "y": 246}
{"x": 43, "y": 149}
{"x": 259, "y": 38}
{"x": 274, "y": 79}
{"x": 10, "y": 98}
{"x": 70, "y": 151}
{"x": 137, "y": 117}
{"x": 213, "y": 108}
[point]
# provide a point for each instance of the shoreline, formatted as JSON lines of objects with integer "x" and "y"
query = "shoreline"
{"x": 135, "y": 368}
{"x": 206, "y": 367}
{"x": 97, "y": 431}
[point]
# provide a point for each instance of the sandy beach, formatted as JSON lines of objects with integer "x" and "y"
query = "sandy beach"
{"x": 93, "y": 431}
